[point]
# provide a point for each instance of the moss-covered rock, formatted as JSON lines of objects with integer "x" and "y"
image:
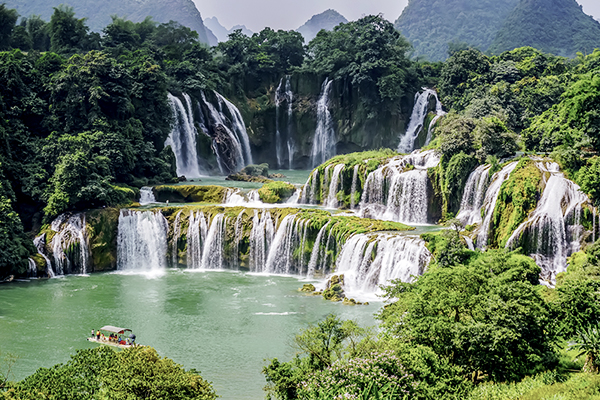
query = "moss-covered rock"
{"x": 189, "y": 193}
{"x": 102, "y": 229}
{"x": 518, "y": 196}
{"x": 276, "y": 192}
{"x": 308, "y": 288}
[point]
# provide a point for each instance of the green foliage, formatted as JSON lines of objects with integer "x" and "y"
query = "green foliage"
{"x": 138, "y": 372}
{"x": 276, "y": 192}
{"x": 587, "y": 342}
{"x": 369, "y": 52}
{"x": 518, "y": 196}
{"x": 557, "y": 27}
{"x": 485, "y": 316}
{"x": 69, "y": 34}
{"x": 8, "y": 20}
{"x": 380, "y": 373}
{"x": 588, "y": 178}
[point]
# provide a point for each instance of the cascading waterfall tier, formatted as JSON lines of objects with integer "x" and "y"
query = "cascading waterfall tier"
{"x": 474, "y": 195}
{"x": 183, "y": 137}
{"x": 553, "y": 231}
{"x": 334, "y": 184}
{"x": 70, "y": 245}
{"x": 284, "y": 94}
{"x": 142, "y": 241}
{"x": 223, "y": 122}
{"x": 323, "y": 147}
{"x": 371, "y": 260}
{"x": 399, "y": 190}
{"x": 147, "y": 196}
{"x": 417, "y": 120}
{"x": 40, "y": 244}
{"x": 489, "y": 203}
{"x": 287, "y": 243}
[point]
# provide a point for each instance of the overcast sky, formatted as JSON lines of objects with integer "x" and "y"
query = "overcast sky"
{"x": 291, "y": 14}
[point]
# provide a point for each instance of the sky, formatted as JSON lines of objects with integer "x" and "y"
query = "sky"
{"x": 291, "y": 14}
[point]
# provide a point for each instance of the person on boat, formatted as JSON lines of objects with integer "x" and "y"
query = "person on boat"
{"x": 93, "y": 334}
{"x": 98, "y": 335}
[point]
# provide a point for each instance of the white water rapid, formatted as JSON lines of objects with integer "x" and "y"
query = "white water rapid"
{"x": 473, "y": 195}
{"x": 398, "y": 190}
{"x": 70, "y": 246}
{"x": 553, "y": 231}
{"x": 323, "y": 146}
{"x": 142, "y": 242}
{"x": 417, "y": 119}
{"x": 147, "y": 196}
{"x": 182, "y": 138}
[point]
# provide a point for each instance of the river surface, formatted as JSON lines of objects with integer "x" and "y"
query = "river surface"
{"x": 224, "y": 324}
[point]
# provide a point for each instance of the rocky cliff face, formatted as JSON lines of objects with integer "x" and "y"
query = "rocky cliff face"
{"x": 326, "y": 20}
{"x": 354, "y": 126}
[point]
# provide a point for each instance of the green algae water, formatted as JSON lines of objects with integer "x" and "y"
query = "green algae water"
{"x": 224, "y": 324}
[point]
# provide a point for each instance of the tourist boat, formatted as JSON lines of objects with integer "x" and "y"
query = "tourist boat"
{"x": 119, "y": 337}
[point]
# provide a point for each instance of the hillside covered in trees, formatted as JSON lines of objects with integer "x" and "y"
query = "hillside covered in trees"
{"x": 556, "y": 26}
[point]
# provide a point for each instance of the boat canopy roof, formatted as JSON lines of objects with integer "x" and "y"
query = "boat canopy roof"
{"x": 114, "y": 329}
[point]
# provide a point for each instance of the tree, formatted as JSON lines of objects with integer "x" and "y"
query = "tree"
{"x": 485, "y": 316}
{"x": 133, "y": 373}
{"x": 8, "y": 19}
{"x": 588, "y": 344}
{"x": 67, "y": 34}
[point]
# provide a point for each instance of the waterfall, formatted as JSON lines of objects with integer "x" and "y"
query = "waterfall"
{"x": 147, "y": 196}
{"x": 309, "y": 190}
{"x": 176, "y": 235}
{"x": 316, "y": 251}
{"x": 489, "y": 203}
{"x": 196, "y": 237}
{"x": 284, "y": 94}
{"x": 235, "y": 198}
{"x": 335, "y": 183}
{"x": 278, "y": 144}
{"x": 290, "y": 143}
{"x": 261, "y": 237}
{"x": 473, "y": 196}
{"x": 182, "y": 138}
{"x": 323, "y": 147}
{"x": 213, "y": 255}
{"x": 397, "y": 193}
{"x": 439, "y": 113}
{"x": 395, "y": 257}
{"x": 279, "y": 259}
{"x": 238, "y": 127}
{"x": 354, "y": 187}
{"x": 32, "y": 268}
{"x": 69, "y": 245}
{"x": 142, "y": 241}
{"x": 553, "y": 230}
{"x": 417, "y": 119}
{"x": 40, "y": 243}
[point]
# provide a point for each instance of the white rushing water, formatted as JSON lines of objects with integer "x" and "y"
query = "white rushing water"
{"x": 147, "y": 196}
{"x": 473, "y": 195}
{"x": 69, "y": 245}
{"x": 417, "y": 119}
{"x": 142, "y": 242}
{"x": 284, "y": 94}
{"x": 553, "y": 231}
{"x": 183, "y": 136}
{"x": 489, "y": 203}
{"x": 396, "y": 257}
{"x": 323, "y": 146}
{"x": 261, "y": 236}
{"x": 39, "y": 243}
{"x": 354, "y": 188}
{"x": 335, "y": 185}
{"x": 237, "y": 127}
{"x": 396, "y": 192}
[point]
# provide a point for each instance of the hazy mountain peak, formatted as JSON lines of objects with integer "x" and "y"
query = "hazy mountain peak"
{"x": 327, "y": 20}
{"x": 221, "y": 32}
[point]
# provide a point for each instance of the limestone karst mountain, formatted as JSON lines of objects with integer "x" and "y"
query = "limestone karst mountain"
{"x": 326, "y": 20}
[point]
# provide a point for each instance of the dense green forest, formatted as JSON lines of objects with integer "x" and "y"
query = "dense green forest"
{"x": 84, "y": 118}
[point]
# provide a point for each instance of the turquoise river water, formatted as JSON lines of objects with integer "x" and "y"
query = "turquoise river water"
{"x": 224, "y": 324}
